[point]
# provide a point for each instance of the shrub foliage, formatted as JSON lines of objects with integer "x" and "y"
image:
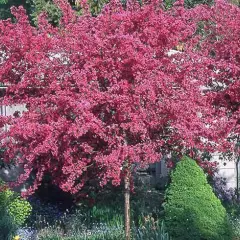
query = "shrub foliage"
{"x": 15, "y": 207}
{"x": 192, "y": 211}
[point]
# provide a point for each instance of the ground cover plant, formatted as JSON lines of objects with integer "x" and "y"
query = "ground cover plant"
{"x": 14, "y": 212}
{"x": 7, "y": 226}
{"x": 16, "y": 207}
{"x": 104, "y": 220}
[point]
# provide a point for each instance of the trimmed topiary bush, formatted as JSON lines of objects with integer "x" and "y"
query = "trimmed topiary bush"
{"x": 192, "y": 211}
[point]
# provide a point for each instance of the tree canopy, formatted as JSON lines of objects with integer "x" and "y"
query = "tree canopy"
{"x": 105, "y": 92}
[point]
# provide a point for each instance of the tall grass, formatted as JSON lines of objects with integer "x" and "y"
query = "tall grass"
{"x": 152, "y": 231}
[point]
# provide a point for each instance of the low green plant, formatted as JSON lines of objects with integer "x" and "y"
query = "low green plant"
{"x": 17, "y": 208}
{"x": 235, "y": 224}
{"x": 104, "y": 220}
{"x": 94, "y": 234}
{"x": 188, "y": 3}
{"x": 192, "y": 211}
{"x": 153, "y": 231}
{"x": 3, "y": 1}
{"x": 7, "y": 226}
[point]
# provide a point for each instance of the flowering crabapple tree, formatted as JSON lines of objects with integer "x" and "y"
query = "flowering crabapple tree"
{"x": 102, "y": 93}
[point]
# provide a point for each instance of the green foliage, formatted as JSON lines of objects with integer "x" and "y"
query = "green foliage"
{"x": 235, "y": 224}
{"x": 105, "y": 231}
{"x": 54, "y": 13}
{"x": 110, "y": 234}
{"x": 188, "y": 3}
{"x": 96, "y": 6}
{"x": 153, "y": 231}
{"x": 146, "y": 203}
{"x": 233, "y": 210}
{"x": 7, "y": 226}
{"x": 150, "y": 231}
{"x": 35, "y": 7}
{"x": 3, "y": 1}
{"x": 97, "y": 223}
{"x": 47, "y": 6}
{"x": 192, "y": 211}
{"x": 17, "y": 208}
{"x": 5, "y": 6}
{"x": 104, "y": 221}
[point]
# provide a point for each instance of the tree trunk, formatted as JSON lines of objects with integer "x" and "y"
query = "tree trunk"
{"x": 127, "y": 205}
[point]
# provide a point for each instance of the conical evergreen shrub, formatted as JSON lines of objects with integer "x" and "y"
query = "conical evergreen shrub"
{"x": 192, "y": 211}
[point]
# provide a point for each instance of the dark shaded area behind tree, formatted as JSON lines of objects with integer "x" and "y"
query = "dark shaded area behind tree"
{"x": 35, "y": 7}
{"x": 5, "y": 11}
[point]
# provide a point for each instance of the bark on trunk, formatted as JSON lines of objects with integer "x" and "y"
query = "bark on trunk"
{"x": 127, "y": 205}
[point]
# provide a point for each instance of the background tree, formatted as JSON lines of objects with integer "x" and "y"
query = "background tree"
{"x": 47, "y": 6}
{"x": 188, "y": 3}
{"x": 5, "y": 6}
{"x": 219, "y": 51}
{"x": 36, "y": 7}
